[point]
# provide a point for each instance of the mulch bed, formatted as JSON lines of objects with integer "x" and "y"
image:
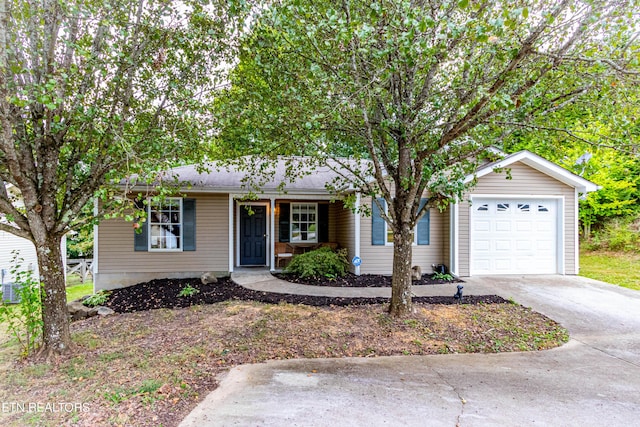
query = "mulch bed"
{"x": 164, "y": 294}
{"x": 350, "y": 280}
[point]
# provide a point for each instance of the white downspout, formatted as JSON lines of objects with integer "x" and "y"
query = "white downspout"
{"x": 272, "y": 233}
{"x": 453, "y": 236}
{"x": 94, "y": 264}
{"x": 357, "y": 231}
{"x": 576, "y": 221}
{"x": 231, "y": 233}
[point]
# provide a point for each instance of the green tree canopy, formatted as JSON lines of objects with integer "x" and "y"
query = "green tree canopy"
{"x": 91, "y": 91}
{"x": 596, "y": 136}
{"x": 418, "y": 88}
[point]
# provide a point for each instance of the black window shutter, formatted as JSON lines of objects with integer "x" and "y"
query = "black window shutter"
{"x": 423, "y": 226}
{"x": 283, "y": 222}
{"x": 323, "y": 223}
{"x": 189, "y": 224}
{"x": 377, "y": 224}
{"x": 141, "y": 236}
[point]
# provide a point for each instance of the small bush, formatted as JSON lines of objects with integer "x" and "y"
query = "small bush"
{"x": 24, "y": 320}
{"x": 442, "y": 276}
{"x": 624, "y": 239}
{"x": 188, "y": 291}
{"x": 321, "y": 262}
{"x": 96, "y": 299}
{"x": 593, "y": 244}
{"x": 618, "y": 235}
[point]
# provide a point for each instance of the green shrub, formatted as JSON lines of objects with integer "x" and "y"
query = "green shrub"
{"x": 623, "y": 239}
{"x": 321, "y": 262}
{"x": 594, "y": 243}
{"x": 619, "y": 235}
{"x": 442, "y": 276}
{"x": 24, "y": 320}
{"x": 96, "y": 299}
{"x": 188, "y": 291}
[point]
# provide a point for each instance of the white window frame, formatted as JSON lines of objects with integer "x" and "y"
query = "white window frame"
{"x": 291, "y": 222}
{"x": 180, "y": 242}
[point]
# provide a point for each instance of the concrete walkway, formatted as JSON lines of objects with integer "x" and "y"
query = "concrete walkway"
{"x": 594, "y": 380}
{"x": 260, "y": 280}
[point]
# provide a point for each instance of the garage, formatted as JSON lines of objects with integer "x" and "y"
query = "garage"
{"x": 520, "y": 217}
{"x": 514, "y": 236}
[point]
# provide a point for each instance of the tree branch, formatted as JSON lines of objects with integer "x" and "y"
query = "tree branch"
{"x": 617, "y": 146}
{"x": 16, "y": 231}
{"x": 8, "y": 208}
{"x": 583, "y": 59}
{"x": 379, "y": 175}
{"x": 470, "y": 118}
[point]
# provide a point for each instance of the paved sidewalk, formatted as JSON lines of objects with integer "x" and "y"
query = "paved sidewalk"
{"x": 264, "y": 281}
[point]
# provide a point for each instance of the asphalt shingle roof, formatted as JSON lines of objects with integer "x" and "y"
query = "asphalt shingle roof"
{"x": 293, "y": 175}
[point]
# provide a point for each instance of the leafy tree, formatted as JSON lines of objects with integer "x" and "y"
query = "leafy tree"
{"x": 415, "y": 88}
{"x": 619, "y": 178}
{"x": 90, "y": 91}
{"x": 80, "y": 243}
{"x": 596, "y": 137}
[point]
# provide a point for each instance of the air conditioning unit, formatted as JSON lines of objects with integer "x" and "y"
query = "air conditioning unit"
{"x": 10, "y": 293}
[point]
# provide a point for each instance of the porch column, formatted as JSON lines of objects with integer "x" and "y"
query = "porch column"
{"x": 453, "y": 238}
{"x": 96, "y": 259}
{"x": 272, "y": 234}
{"x": 357, "y": 232}
{"x": 576, "y": 236}
{"x": 231, "y": 233}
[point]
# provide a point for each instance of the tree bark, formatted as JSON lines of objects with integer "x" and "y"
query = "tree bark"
{"x": 586, "y": 233}
{"x": 401, "y": 303}
{"x": 56, "y": 337}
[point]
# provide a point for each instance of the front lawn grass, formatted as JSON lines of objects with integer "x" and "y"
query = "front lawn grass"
{"x": 153, "y": 367}
{"x": 618, "y": 268}
{"x": 77, "y": 289}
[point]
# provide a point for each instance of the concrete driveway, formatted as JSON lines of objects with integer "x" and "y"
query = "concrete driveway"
{"x": 594, "y": 380}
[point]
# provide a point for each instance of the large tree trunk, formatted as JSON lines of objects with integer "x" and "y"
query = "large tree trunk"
{"x": 401, "y": 281}
{"x": 56, "y": 336}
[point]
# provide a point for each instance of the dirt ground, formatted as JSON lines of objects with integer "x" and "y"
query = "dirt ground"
{"x": 151, "y": 365}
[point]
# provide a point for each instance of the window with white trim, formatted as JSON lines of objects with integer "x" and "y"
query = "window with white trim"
{"x": 304, "y": 222}
{"x": 165, "y": 225}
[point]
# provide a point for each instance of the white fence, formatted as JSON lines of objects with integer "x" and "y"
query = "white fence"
{"x": 81, "y": 266}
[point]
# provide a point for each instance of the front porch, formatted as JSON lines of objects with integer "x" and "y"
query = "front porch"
{"x": 261, "y": 230}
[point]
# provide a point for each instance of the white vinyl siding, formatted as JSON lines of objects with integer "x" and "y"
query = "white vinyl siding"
{"x": 378, "y": 259}
{"x": 119, "y": 263}
{"x": 9, "y": 243}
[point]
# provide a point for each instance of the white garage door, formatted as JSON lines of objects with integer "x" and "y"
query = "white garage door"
{"x": 512, "y": 236}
